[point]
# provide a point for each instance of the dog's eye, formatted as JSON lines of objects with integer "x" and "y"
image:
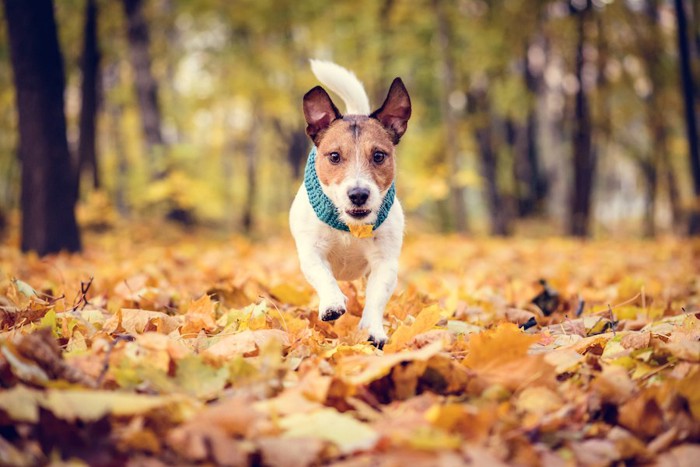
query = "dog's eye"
{"x": 379, "y": 157}
{"x": 334, "y": 157}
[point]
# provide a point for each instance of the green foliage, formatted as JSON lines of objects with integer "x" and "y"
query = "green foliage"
{"x": 231, "y": 76}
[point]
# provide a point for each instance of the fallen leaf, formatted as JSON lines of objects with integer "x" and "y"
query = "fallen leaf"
{"x": 348, "y": 434}
{"x": 503, "y": 344}
{"x": 362, "y": 231}
{"x": 246, "y": 343}
{"x": 426, "y": 320}
{"x": 360, "y": 369}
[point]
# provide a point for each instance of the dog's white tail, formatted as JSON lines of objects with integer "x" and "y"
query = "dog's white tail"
{"x": 345, "y": 84}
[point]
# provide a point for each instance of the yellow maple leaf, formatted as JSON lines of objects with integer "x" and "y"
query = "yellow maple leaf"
{"x": 425, "y": 321}
{"x": 362, "y": 231}
{"x": 500, "y": 345}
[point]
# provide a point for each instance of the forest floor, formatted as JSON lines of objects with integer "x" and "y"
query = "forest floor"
{"x": 156, "y": 347}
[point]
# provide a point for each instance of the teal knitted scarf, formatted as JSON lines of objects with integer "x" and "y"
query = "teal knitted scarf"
{"x": 324, "y": 207}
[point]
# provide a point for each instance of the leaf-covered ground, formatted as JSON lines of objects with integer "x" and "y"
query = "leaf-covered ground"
{"x": 160, "y": 347}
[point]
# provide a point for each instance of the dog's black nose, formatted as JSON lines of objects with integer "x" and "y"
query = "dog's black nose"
{"x": 358, "y": 196}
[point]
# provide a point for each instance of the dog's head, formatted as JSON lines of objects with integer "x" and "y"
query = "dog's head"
{"x": 355, "y": 153}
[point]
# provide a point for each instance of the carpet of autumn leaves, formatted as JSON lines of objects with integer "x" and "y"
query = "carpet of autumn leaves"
{"x": 157, "y": 347}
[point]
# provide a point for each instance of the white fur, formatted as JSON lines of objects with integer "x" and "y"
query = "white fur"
{"x": 344, "y": 83}
{"x": 327, "y": 255}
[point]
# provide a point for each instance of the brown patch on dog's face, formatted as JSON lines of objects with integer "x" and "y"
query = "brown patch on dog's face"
{"x": 356, "y": 145}
{"x": 355, "y": 153}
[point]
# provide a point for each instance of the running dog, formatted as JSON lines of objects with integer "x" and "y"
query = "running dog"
{"x": 346, "y": 220}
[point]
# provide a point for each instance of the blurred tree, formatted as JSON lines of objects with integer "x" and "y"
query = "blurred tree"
{"x": 584, "y": 154}
{"x": 655, "y": 160}
{"x": 146, "y": 85}
{"x": 48, "y": 178}
{"x": 530, "y": 183}
{"x": 89, "y": 66}
{"x": 499, "y": 212}
{"x": 448, "y": 86}
{"x": 691, "y": 123}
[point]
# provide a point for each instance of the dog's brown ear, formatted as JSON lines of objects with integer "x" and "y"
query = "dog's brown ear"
{"x": 319, "y": 112}
{"x": 395, "y": 111}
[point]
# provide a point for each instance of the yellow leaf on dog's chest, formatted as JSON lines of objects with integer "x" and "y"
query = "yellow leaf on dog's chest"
{"x": 362, "y": 231}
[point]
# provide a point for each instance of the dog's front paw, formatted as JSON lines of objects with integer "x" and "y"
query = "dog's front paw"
{"x": 332, "y": 313}
{"x": 378, "y": 340}
{"x": 377, "y": 336}
{"x": 332, "y": 308}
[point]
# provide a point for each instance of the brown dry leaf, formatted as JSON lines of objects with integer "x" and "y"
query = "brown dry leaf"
{"x": 499, "y": 356}
{"x": 23, "y": 404}
{"x": 685, "y": 455}
{"x": 348, "y": 434}
{"x": 538, "y": 400}
{"x": 503, "y": 344}
{"x": 642, "y": 415}
{"x": 293, "y": 295}
{"x": 214, "y": 432}
{"x": 518, "y": 316}
{"x": 283, "y": 452}
{"x": 688, "y": 388}
{"x": 614, "y": 384}
{"x": 684, "y": 343}
{"x": 596, "y": 452}
{"x": 426, "y": 320}
{"x": 636, "y": 340}
{"x": 200, "y": 316}
{"x": 246, "y": 343}
{"x": 271, "y": 370}
{"x": 37, "y": 357}
{"x": 135, "y": 321}
{"x": 360, "y": 369}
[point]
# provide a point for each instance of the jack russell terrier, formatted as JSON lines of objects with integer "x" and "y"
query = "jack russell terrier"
{"x": 345, "y": 218}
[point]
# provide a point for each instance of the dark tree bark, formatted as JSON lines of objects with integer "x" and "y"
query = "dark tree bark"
{"x": 459, "y": 207}
{"x": 655, "y": 163}
{"x": 146, "y": 86}
{"x": 584, "y": 156}
{"x": 297, "y": 151}
{"x": 90, "y": 63}
{"x": 48, "y": 178}
{"x": 530, "y": 185}
{"x": 499, "y": 212}
{"x": 251, "y": 158}
{"x": 386, "y": 49}
{"x": 113, "y": 113}
{"x": 691, "y": 124}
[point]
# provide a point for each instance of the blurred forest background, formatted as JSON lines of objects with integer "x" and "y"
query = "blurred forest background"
{"x": 530, "y": 117}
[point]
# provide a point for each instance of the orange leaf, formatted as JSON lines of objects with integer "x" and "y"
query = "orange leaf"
{"x": 362, "y": 231}
{"x": 425, "y": 321}
{"x": 199, "y": 316}
{"x": 503, "y": 344}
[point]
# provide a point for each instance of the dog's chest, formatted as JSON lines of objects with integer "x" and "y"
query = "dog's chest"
{"x": 347, "y": 256}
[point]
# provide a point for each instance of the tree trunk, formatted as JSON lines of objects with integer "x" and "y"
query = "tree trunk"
{"x": 251, "y": 158}
{"x": 48, "y": 178}
{"x": 691, "y": 125}
{"x": 87, "y": 151}
{"x": 499, "y": 213}
{"x": 530, "y": 186}
{"x": 146, "y": 86}
{"x": 674, "y": 195}
{"x": 297, "y": 152}
{"x": 459, "y": 208}
{"x": 386, "y": 49}
{"x": 584, "y": 157}
{"x": 114, "y": 112}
